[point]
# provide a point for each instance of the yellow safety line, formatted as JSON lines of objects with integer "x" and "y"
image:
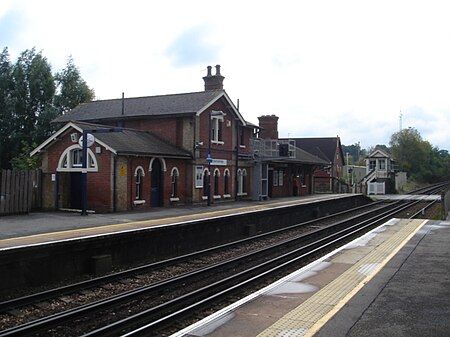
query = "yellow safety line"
{"x": 307, "y": 319}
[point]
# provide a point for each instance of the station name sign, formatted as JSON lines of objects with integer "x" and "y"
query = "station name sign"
{"x": 219, "y": 162}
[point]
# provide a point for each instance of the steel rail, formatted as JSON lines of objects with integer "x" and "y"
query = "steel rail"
{"x": 71, "y": 314}
{"x": 98, "y": 281}
{"x": 191, "y": 302}
{"x": 59, "y": 318}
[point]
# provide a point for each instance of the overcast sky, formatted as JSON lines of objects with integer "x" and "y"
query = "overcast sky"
{"x": 326, "y": 68}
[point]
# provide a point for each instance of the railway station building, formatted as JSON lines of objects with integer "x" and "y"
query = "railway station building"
{"x": 168, "y": 150}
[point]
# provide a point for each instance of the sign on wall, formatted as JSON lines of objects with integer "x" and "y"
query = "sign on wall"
{"x": 219, "y": 162}
{"x": 122, "y": 170}
{"x": 198, "y": 176}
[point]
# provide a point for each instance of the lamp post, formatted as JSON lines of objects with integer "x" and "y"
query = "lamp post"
{"x": 84, "y": 163}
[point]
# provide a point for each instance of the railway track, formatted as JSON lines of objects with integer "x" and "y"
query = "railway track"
{"x": 150, "y": 308}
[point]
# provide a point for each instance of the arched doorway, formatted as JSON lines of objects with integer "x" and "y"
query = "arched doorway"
{"x": 69, "y": 174}
{"x": 156, "y": 193}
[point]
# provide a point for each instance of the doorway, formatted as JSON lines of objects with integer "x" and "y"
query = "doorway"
{"x": 156, "y": 195}
{"x": 75, "y": 190}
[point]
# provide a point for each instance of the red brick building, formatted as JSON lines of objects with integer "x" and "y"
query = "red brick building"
{"x": 327, "y": 178}
{"x": 156, "y": 156}
{"x": 167, "y": 150}
{"x": 285, "y": 169}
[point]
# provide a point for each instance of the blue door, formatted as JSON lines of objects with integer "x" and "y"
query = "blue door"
{"x": 75, "y": 190}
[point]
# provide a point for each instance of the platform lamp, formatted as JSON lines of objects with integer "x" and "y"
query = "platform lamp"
{"x": 87, "y": 140}
{"x": 209, "y": 158}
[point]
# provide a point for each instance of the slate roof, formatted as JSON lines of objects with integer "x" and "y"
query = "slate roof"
{"x": 135, "y": 142}
{"x": 308, "y": 158}
{"x": 175, "y": 104}
{"x": 325, "y": 148}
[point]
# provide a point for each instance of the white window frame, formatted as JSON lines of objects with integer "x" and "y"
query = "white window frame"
{"x": 199, "y": 172}
{"x": 216, "y": 176}
{"x": 241, "y": 174}
{"x": 205, "y": 188}
{"x": 138, "y": 173}
{"x": 280, "y": 177}
{"x": 65, "y": 163}
{"x": 215, "y": 126}
{"x": 226, "y": 183}
{"x": 174, "y": 174}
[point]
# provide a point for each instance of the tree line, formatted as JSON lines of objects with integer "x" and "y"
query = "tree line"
{"x": 31, "y": 96}
{"x": 423, "y": 162}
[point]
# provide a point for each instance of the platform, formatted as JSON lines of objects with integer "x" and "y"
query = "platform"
{"x": 431, "y": 197}
{"x": 44, "y": 227}
{"x": 394, "y": 281}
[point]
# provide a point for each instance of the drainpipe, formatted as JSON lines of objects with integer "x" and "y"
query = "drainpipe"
{"x": 236, "y": 182}
{"x": 130, "y": 170}
{"x": 114, "y": 182}
{"x": 56, "y": 189}
{"x": 237, "y": 161}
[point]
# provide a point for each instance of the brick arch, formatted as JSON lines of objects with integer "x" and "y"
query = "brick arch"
{"x": 163, "y": 163}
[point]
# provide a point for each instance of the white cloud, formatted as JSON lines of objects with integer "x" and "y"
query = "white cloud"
{"x": 324, "y": 67}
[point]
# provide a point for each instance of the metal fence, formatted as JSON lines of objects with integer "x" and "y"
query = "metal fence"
{"x": 19, "y": 191}
{"x": 376, "y": 188}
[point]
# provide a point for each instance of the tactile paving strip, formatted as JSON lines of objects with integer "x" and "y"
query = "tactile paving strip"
{"x": 311, "y": 315}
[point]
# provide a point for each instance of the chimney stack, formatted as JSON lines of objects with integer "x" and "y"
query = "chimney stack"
{"x": 213, "y": 82}
{"x": 269, "y": 127}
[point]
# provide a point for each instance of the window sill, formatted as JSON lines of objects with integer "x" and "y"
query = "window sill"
{"x": 242, "y": 194}
{"x": 217, "y": 197}
{"x": 242, "y": 146}
{"x": 139, "y": 202}
{"x": 226, "y": 196}
{"x": 204, "y": 197}
{"x": 174, "y": 199}
{"x": 218, "y": 142}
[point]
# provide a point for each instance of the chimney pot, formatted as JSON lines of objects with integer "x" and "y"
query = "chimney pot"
{"x": 213, "y": 82}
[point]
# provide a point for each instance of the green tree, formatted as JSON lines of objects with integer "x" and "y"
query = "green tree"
{"x": 72, "y": 89}
{"x": 23, "y": 161}
{"x": 6, "y": 109}
{"x": 418, "y": 157}
{"x": 34, "y": 91}
{"x": 30, "y": 98}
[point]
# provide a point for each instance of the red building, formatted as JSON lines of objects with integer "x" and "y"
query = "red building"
{"x": 168, "y": 150}
{"x": 328, "y": 177}
{"x": 285, "y": 169}
{"x": 160, "y": 156}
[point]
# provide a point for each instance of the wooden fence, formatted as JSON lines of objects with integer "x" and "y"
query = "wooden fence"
{"x": 19, "y": 191}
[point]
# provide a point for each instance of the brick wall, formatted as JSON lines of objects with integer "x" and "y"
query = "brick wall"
{"x": 177, "y": 131}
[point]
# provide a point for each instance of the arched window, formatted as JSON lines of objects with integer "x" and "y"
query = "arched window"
{"x": 226, "y": 182}
{"x": 242, "y": 181}
{"x": 239, "y": 173}
{"x": 216, "y": 181}
{"x": 71, "y": 160}
{"x": 174, "y": 190}
{"x": 205, "y": 182}
{"x": 138, "y": 174}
